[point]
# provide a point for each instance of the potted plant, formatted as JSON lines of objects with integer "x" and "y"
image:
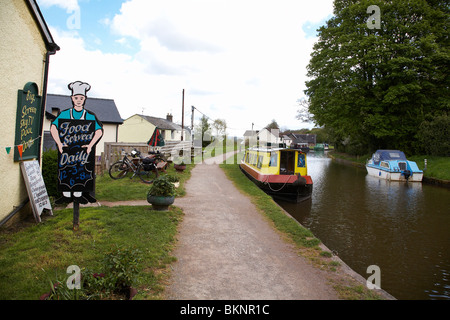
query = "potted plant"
{"x": 174, "y": 179}
{"x": 161, "y": 194}
{"x": 179, "y": 164}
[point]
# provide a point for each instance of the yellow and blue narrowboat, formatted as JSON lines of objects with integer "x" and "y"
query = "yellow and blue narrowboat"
{"x": 280, "y": 172}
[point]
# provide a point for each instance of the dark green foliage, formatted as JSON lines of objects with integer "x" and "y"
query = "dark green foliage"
{"x": 434, "y": 136}
{"x": 374, "y": 87}
{"x": 50, "y": 171}
{"x": 162, "y": 186}
{"x": 122, "y": 265}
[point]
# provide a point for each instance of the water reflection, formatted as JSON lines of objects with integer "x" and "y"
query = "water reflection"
{"x": 401, "y": 227}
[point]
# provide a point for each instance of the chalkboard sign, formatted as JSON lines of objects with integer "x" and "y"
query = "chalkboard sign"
{"x": 37, "y": 192}
{"x": 75, "y": 167}
{"x": 28, "y": 122}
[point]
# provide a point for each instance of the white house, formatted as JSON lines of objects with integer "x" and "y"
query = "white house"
{"x": 271, "y": 136}
{"x": 140, "y": 128}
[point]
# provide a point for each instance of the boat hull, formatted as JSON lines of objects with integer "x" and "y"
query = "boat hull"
{"x": 391, "y": 175}
{"x": 292, "y": 188}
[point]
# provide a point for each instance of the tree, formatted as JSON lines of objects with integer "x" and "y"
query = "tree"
{"x": 374, "y": 87}
{"x": 220, "y": 125}
{"x": 272, "y": 125}
{"x": 203, "y": 131}
{"x": 303, "y": 111}
{"x": 434, "y": 136}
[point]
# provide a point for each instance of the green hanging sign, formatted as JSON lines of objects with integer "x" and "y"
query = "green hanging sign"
{"x": 28, "y": 121}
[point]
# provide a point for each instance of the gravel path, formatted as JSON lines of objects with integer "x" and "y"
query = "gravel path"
{"x": 226, "y": 249}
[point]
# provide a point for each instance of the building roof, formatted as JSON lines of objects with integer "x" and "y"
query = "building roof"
{"x": 249, "y": 133}
{"x": 45, "y": 32}
{"x": 162, "y": 123}
{"x": 303, "y": 138}
{"x": 105, "y": 109}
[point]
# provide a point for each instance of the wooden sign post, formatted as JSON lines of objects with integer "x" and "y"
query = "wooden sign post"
{"x": 76, "y": 132}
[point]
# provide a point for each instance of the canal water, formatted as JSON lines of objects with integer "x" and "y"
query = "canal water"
{"x": 403, "y": 228}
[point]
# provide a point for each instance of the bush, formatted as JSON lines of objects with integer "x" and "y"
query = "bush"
{"x": 162, "y": 187}
{"x": 434, "y": 136}
{"x": 120, "y": 272}
{"x": 50, "y": 172}
{"x": 122, "y": 267}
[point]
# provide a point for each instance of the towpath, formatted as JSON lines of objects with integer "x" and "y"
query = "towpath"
{"x": 227, "y": 250}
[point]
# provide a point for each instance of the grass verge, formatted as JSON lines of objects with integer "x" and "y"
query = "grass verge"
{"x": 107, "y": 189}
{"x": 35, "y": 255}
{"x": 32, "y": 255}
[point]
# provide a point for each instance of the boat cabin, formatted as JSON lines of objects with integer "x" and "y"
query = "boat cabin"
{"x": 276, "y": 161}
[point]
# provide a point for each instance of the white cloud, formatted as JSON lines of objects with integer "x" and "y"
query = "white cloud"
{"x": 68, "y": 5}
{"x": 243, "y": 61}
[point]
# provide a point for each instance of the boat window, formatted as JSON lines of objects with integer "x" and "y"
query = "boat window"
{"x": 301, "y": 163}
{"x": 384, "y": 164}
{"x": 260, "y": 160}
{"x": 246, "y": 157}
{"x": 273, "y": 159}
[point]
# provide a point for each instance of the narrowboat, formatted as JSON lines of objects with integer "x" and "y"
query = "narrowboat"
{"x": 280, "y": 172}
{"x": 319, "y": 147}
{"x": 393, "y": 165}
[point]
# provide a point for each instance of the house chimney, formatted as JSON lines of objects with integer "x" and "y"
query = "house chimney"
{"x": 169, "y": 117}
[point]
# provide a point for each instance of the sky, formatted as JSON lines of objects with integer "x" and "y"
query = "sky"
{"x": 243, "y": 61}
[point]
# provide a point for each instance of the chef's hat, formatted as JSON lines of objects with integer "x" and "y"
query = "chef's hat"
{"x": 79, "y": 87}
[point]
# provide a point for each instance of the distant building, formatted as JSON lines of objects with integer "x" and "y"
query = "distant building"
{"x": 269, "y": 137}
{"x": 262, "y": 137}
{"x": 250, "y": 137}
{"x": 303, "y": 139}
{"x": 24, "y": 58}
{"x": 140, "y": 128}
{"x": 105, "y": 110}
{"x": 286, "y": 140}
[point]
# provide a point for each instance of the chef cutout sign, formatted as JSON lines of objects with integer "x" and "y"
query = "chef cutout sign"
{"x": 76, "y": 132}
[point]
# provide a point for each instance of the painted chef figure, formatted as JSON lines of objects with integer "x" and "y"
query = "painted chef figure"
{"x": 59, "y": 130}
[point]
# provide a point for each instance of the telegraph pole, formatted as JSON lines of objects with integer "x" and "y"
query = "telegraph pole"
{"x": 192, "y": 125}
{"x": 182, "y": 117}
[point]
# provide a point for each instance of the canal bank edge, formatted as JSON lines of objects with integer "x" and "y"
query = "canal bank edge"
{"x": 344, "y": 268}
{"x": 428, "y": 180}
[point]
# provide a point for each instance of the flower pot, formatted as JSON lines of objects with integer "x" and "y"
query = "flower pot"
{"x": 179, "y": 167}
{"x": 160, "y": 203}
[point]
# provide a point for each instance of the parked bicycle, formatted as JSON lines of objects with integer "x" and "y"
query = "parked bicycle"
{"x": 143, "y": 167}
{"x": 160, "y": 160}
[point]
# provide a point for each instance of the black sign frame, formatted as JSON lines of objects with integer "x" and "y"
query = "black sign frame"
{"x": 76, "y": 168}
{"x": 28, "y": 123}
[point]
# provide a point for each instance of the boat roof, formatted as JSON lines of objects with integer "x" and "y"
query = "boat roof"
{"x": 269, "y": 149}
{"x": 383, "y": 155}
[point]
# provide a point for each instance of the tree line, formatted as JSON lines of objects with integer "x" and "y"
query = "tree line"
{"x": 384, "y": 87}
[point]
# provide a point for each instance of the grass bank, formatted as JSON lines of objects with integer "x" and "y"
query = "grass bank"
{"x": 35, "y": 255}
{"x": 306, "y": 243}
{"x": 32, "y": 255}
